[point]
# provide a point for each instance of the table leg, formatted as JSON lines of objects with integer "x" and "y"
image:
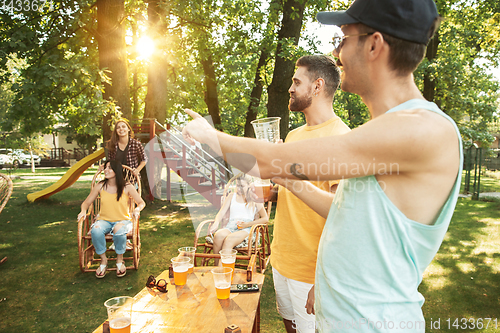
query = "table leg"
{"x": 256, "y": 323}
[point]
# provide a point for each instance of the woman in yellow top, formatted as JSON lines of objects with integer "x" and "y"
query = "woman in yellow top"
{"x": 114, "y": 216}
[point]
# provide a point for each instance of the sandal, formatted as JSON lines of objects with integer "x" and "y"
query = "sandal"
{"x": 103, "y": 271}
{"x": 119, "y": 267}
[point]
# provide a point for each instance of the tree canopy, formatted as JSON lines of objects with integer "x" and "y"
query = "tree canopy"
{"x": 216, "y": 57}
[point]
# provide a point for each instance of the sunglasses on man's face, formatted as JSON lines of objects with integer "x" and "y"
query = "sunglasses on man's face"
{"x": 160, "y": 285}
{"x": 338, "y": 39}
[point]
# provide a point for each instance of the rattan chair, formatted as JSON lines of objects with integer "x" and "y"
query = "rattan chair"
{"x": 253, "y": 253}
{"x": 86, "y": 251}
{"x": 6, "y": 187}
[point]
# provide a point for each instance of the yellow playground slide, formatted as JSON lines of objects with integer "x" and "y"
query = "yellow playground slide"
{"x": 69, "y": 178}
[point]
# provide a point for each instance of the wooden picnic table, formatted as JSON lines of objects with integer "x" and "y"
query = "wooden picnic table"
{"x": 194, "y": 307}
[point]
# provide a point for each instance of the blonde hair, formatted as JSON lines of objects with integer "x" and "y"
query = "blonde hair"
{"x": 247, "y": 196}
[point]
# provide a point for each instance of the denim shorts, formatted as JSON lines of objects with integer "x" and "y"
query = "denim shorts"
{"x": 101, "y": 228}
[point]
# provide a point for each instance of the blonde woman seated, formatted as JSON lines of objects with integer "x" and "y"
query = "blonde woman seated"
{"x": 244, "y": 212}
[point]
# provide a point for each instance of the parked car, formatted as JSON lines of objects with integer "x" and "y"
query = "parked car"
{"x": 5, "y": 157}
{"x": 17, "y": 157}
{"x": 24, "y": 158}
{"x": 5, "y": 160}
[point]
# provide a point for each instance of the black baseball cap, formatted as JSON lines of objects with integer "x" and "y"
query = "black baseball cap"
{"x": 409, "y": 20}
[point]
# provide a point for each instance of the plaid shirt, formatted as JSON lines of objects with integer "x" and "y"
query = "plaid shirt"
{"x": 135, "y": 153}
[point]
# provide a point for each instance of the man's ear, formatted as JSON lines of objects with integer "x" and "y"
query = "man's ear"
{"x": 319, "y": 84}
{"x": 376, "y": 45}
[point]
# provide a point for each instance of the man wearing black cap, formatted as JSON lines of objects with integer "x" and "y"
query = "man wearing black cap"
{"x": 401, "y": 172}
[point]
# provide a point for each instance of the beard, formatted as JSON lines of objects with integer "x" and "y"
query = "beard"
{"x": 300, "y": 103}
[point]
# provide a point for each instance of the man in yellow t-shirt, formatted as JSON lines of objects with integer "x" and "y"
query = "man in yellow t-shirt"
{"x": 297, "y": 228}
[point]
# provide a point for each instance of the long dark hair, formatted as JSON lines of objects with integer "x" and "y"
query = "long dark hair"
{"x": 120, "y": 180}
{"x": 111, "y": 144}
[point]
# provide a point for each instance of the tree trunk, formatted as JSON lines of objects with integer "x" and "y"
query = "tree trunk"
{"x": 135, "y": 84}
{"x": 429, "y": 83}
{"x": 211, "y": 96}
{"x": 255, "y": 95}
{"x": 293, "y": 14}
{"x": 113, "y": 56}
{"x": 156, "y": 98}
{"x": 135, "y": 94}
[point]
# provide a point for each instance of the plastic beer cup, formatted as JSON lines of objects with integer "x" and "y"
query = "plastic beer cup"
{"x": 188, "y": 251}
{"x": 222, "y": 281}
{"x": 267, "y": 129}
{"x": 180, "y": 266}
{"x": 119, "y": 314}
{"x": 228, "y": 259}
{"x": 262, "y": 188}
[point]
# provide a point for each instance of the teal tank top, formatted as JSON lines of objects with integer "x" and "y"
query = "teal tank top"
{"x": 371, "y": 257}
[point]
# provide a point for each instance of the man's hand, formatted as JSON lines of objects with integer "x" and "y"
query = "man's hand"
{"x": 273, "y": 194}
{"x": 310, "y": 302}
{"x": 198, "y": 129}
{"x": 253, "y": 194}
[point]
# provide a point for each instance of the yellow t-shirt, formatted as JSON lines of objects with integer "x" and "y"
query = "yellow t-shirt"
{"x": 112, "y": 210}
{"x": 297, "y": 228}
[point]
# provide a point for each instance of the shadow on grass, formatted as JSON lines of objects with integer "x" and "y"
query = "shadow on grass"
{"x": 41, "y": 278}
{"x": 43, "y": 289}
{"x": 463, "y": 281}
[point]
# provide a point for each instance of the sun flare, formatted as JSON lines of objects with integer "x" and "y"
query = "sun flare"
{"x": 145, "y": 47}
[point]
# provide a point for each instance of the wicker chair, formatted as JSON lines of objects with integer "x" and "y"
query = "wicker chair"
{"x": 86, "y": 251}
{"x": 5, "y": 190}
{"x": 253, "y": 253}
{"x": 6, "y": 187}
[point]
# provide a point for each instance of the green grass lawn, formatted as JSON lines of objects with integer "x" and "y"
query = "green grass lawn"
{"x": 43, "y": 290}
{"x": 463, "y": 281}
{"x": 43, "y": 171}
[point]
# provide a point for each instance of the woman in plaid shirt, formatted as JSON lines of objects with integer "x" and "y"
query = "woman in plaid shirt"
{"x": 124, "y": 148}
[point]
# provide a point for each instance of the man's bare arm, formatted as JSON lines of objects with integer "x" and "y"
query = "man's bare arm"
{"x": 316, "y": 198}
{"x": 393, "y": 143}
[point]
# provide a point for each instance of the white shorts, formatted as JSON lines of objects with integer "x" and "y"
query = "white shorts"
{"x": 291, "y": 298}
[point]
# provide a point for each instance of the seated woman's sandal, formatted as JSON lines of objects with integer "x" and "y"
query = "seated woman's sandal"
{"x": 103, "y": 271}
{"x": 119, "y": 267}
